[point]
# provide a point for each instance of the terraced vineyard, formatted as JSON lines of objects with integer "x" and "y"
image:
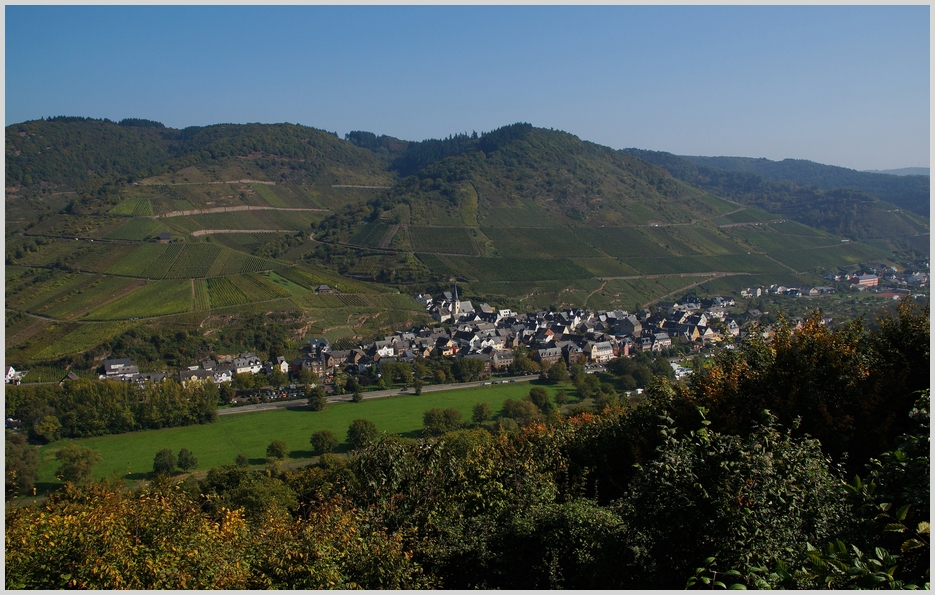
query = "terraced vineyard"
{"x": 84, "y": 337}
{"x": 202, "y": 298}
{"x": 372, "y": 235}
{"x": 137, "y": 230}
{"x": 194, "y": 260}
{"x": 443, "y": 240}
{"x": 157, "y": 298}
{"x": 134, "y": 207}
{"x": 537, "y": 242}
{"x": 224, "y": 292}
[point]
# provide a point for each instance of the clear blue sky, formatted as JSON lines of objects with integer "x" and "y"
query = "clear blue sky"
{"x": 843, "y": 85}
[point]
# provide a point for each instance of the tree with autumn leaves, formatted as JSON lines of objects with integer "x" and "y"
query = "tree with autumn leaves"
{"x": 740, "y": 478}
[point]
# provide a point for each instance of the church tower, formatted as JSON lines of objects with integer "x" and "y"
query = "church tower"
{"x": 456, "y": 305}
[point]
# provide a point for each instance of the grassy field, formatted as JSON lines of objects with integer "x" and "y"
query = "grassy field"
{"x": 219, "y": 443}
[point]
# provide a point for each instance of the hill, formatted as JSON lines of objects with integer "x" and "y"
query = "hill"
{"x": 852, "y": 213}
{"x": 902, "y": 171}
{"x": 905, "y": 191}
{"x": 260, "y": 215}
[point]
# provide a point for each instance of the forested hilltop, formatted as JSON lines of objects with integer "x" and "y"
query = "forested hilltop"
{"x": 907, "y": 191}
{"x": 857, "y": 205}
{"x": 801, "y": 461}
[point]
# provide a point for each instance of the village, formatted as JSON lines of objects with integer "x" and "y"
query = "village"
{"x": 495, "y": 338}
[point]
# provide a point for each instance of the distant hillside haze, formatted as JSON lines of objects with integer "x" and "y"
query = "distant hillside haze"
{"x": 853, "y": 213}
{"x": 906, "y": 191}
{"x": 903, "y": 171}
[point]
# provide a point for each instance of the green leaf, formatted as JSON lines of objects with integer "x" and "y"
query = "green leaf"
{"x": 894, "y": 528}
{"x": 911, "y": 545}
{"x": 901, "y": 513}
{"x": 740, "y": 586}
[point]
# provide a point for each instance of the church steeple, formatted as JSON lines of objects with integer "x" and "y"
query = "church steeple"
{"x": 456, "y": 305}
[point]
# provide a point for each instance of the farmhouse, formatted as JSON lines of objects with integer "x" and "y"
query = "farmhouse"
{"x": 11, "y": 376}
{"x": 862, "y": 281}
{"x": 164, "y": 237}
{"x": 119, "y": 368}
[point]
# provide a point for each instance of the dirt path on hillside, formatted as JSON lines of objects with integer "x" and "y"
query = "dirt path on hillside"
{"x": 585, "y": 304}
{"x": 113, "y": 298}
{"x": 357, "y": 186}
{"x": 234, "y": 210}
{"x": 696, "y": 284}
{"x": 203, "y": 232}
{"x": 204, "y": 183}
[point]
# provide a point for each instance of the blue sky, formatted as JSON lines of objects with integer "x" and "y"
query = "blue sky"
{"x": 843, "y": 85}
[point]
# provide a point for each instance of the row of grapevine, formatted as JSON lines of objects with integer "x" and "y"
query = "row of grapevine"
{"x": 161, "y": 266}
{"x": 267, "y": 286}
{"x": 223, "y": 292}
{"x": 194, "y": 261}
{"x": 202, "y": 298}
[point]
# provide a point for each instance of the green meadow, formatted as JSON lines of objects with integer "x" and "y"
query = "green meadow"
{"x": 131, "y": 455}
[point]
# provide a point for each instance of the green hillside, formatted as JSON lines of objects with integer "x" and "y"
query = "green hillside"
{"x": 260, "y": 215}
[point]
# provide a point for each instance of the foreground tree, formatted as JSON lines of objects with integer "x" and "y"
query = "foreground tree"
{"x": 22, "y": 464}
{"x": 743, "y": 501}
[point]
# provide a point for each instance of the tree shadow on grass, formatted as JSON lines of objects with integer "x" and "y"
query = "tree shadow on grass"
{"x": 303, "y": 409}
{"x": 301, "y": 454}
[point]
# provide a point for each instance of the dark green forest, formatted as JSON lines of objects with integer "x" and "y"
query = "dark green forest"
{"x": 796, "y": 462}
